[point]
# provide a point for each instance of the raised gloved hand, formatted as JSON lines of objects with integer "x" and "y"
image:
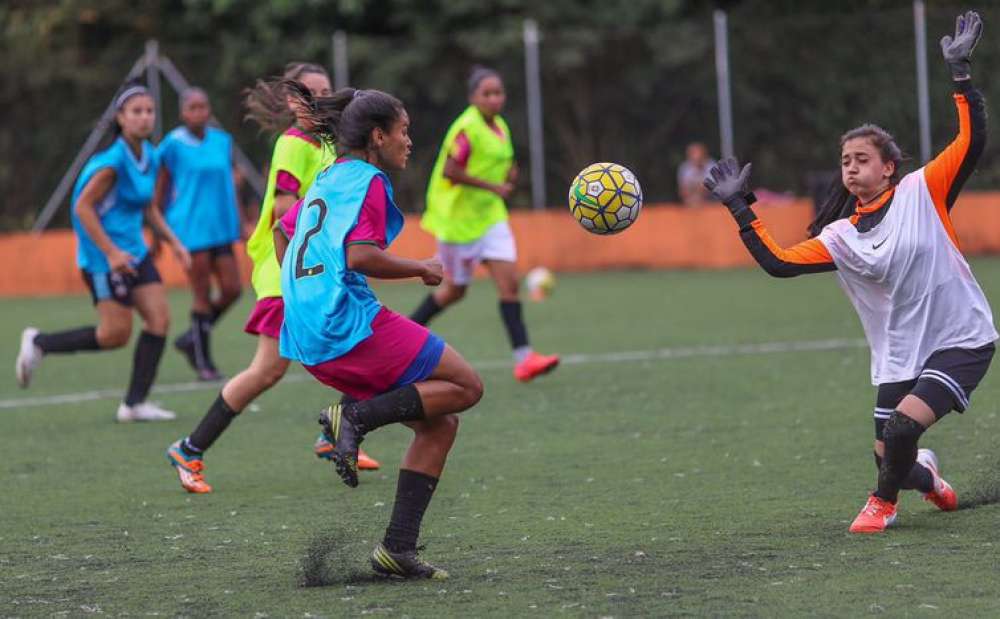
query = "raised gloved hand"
{"x": 728, "y": 183}
{"x": 958, "y": 49}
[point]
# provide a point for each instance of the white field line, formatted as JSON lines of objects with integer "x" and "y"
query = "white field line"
{"x": 683, "y": 352}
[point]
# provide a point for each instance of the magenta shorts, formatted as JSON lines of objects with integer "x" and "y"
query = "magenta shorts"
{"x": 395, "y": 348}
{"x": 266, "y": 317}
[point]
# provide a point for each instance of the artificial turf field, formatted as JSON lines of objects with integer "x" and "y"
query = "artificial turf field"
{"x": 701, "y": 452}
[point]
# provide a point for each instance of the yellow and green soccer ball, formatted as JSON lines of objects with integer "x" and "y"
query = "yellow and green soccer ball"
{"x": 605, "y": 198}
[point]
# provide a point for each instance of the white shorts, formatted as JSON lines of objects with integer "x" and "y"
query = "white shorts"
{"x": 460, "y": 259}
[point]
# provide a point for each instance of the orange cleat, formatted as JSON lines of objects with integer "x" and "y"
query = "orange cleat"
{"x": 877, "y": 515}
{"x": 943, "y": 495}
{"x": 366, "y": 462}
{"x": 324, "y": 449}
{"x": 534, "y": 365}
{"x": 189, "y": 470}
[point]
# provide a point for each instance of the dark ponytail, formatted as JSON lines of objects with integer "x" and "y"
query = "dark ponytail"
{"x": 265, "y": 102}
{"x": 839, "y": 202}
{"x": 348, "y": 117}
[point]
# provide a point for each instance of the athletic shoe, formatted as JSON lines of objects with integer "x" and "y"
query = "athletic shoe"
{"x": 877, "y": 515}
{"x": 534, "y": 365}
{"x": 185, "y": 345}
{"x": 324, "y": 448}
{"x": 403, "y": 565}
{"x": 189, "y": 468}
{"x": 209, "y": 374}
{"x": 341, "y": 430}
{"x": 143, "y": 411}
{"x": 943, "y": 495}
{"x": 28, "y": 357}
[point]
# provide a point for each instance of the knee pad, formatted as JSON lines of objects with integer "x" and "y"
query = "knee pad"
{"x": 901, "y": 430}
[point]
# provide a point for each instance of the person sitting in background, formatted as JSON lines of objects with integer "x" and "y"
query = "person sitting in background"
{"x": 691, "y": 175}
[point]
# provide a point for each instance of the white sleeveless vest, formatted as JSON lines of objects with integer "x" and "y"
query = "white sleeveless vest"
{"x": 912, "y": 288}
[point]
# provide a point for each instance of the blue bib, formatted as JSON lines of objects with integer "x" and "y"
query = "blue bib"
{"x": 201, "y": 209}
{"x": 329, "y": 308}
{"x": 122, "y": 208}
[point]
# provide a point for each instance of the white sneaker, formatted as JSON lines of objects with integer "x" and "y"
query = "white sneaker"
{"x": 143, "y": 411}
{"x": 28, "y": 357}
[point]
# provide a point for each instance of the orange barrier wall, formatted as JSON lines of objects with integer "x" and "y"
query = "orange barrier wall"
{"x": 665, "y": 236}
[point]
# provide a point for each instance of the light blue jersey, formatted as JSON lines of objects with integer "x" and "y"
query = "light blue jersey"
{"x": 329, "y": 308}
{"x": 201, "y": 209}
{"x": 121, "y": 210}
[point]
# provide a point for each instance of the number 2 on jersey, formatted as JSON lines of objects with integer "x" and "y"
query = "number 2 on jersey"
{"x": 304, "y": 271}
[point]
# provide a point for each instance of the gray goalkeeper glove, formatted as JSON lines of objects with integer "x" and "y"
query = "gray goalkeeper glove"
{"x": 728, "y": 184}
{"x": 958, "y": 49}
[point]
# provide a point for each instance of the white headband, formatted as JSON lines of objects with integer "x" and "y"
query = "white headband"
{"x": 128, "y": 94}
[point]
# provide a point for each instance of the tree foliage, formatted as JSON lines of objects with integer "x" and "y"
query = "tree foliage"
{"x": 624, "y": 80}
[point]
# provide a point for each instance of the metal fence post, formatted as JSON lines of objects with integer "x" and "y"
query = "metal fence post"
{"x": 722, "y": 82}
{"x": 341, "y": 73}
{"x": 153, "y": 83}
{"x": 536, "y": 141}
{"x": 923, "y": 97}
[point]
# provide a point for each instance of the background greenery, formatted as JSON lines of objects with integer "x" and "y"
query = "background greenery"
{"x": 625, "y": 80}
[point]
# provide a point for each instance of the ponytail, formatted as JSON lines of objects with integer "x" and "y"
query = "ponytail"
{"x": 266, "y": 102}
{"x": 347, "y": 117}
{"x": 839, "y": 202}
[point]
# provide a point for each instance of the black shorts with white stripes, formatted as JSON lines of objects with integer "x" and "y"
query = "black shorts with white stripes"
{"x": 946, "y": 383}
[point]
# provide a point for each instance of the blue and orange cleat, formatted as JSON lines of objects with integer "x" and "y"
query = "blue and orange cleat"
{"x": 190, "y": 469}
{"x": 324, "y": 449}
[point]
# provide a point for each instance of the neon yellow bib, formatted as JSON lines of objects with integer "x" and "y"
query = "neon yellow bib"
{"x": 462, "y": 213}
{"x": 300, "y": 155}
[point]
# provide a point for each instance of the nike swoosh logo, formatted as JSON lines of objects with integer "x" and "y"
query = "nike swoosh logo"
{"x": 877, "y": 245}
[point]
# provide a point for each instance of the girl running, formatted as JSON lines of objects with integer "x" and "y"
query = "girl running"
{"x": 395, "y": 370}
{"x": 196, "y": 192}
{"x": 895, "y": 252}
{"x": 109, "y": 200}
{"x": 298, "y": 156}
{"x": 474, "y": 174}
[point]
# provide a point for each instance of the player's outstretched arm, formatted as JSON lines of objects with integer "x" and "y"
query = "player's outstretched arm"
{"x": 947, "y": 173}
{"x": 729, "y": 185}
{"x": 369, "y": 259}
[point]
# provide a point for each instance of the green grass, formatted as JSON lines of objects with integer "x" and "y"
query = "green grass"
{"x": 704, "y": 485}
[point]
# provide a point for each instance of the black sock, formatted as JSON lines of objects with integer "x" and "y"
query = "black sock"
{"x": 74, "y": 340}
{"x": 919, "y": 478}
{"x": 403, "y": 404}
{"x": 148, "y": 351}
{"x": 201, "y": 328}
{"x": 510, "y": 311}
{"x": 413, "y": 494}
{"x": 901, "y": 436}
{"x": 427, "y": 310}
{"x": 212, "y": 425}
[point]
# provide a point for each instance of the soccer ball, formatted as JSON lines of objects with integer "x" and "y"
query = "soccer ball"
{"x": 605, "y": 198}
{"x": 540, "y": 282}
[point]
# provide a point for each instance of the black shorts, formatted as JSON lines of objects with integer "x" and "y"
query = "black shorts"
{"x": 945, "y": 384}
{"x": 216, "y": 252}
{"x": 117, "y": 286}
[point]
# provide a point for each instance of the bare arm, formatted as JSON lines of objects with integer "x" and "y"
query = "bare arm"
{"x": 93, "y": 192}
{"x": 280, "y": 244}
{"x": 454, "y": 172}
{"x": 368, "y": 259}
{"x": 155, "y": 218}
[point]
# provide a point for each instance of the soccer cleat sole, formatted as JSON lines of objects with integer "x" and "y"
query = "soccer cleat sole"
{"x": 387, "y": 566}
{"x": 345, "y": 465}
